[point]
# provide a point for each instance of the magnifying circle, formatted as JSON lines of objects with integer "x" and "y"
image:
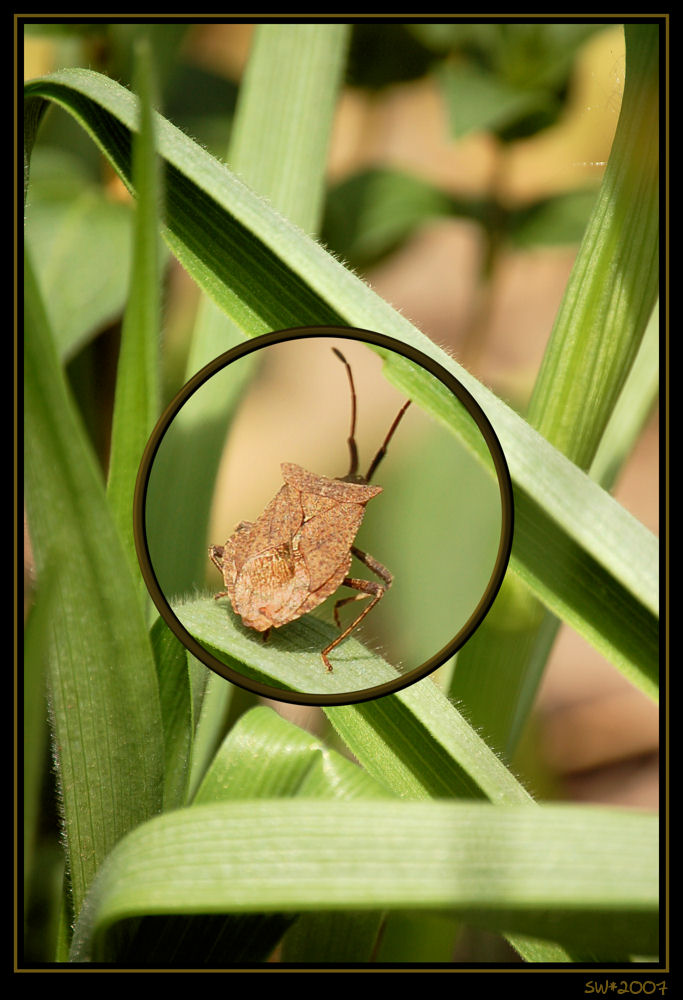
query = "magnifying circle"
{"x": 402, "y": 680}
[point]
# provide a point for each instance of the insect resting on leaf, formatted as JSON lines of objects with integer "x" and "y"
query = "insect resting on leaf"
{"x": 298, "y": 552}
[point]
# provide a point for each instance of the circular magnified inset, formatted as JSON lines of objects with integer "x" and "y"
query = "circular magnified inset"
{"x": 355, "y": 540}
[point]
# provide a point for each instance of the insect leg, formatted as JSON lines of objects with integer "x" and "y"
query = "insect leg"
{"x": 346, "y": 600}
{"x": 377, "y": 568}
{"x": 368, "y": 588}
{"x": 223, "y": 593}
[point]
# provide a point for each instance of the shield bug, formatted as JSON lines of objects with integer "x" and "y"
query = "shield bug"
{"x": 298, "y": 552}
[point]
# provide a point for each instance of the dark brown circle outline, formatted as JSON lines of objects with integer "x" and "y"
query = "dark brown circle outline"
{"x": 487, "y": 432}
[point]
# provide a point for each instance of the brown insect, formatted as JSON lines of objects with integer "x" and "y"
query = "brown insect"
{"x": 298, "y": 552}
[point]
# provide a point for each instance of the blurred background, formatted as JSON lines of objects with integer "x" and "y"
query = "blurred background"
{"x": 465, "y": 217}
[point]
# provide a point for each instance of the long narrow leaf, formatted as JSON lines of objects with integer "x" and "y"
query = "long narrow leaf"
{"x": 418, "y": 744}
{"x": 512, "y": 645}
{"x": 278, "y": 144}
{"x": 103, "y": 687}
{"x": 264, "y": 756}
{"x": 613, "y": 286}
{"x": 176, "y": 703}
{"x": 286, "y": 110}
{"x": 136, "y": 407}
{"x": 632, "y": 409}
{"x": 414, "y": 742}
{"x": 80, "y": 241}
{"x": 36, "y": 639}
{"x": 597, "y": 334}
{"x": 587, "y": 877}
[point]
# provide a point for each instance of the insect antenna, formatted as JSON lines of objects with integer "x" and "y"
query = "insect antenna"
{"x": 352, "y": 434}
{"x": 383, "y": 450}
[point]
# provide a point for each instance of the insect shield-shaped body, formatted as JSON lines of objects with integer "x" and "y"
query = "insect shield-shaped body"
{"x": 298, "y": 552}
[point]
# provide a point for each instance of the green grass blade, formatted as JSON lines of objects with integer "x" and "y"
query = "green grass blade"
{"x": 103, "y": 688}
{"x": 581, "y": 391}
{"x": 265, "y": 756}
{"x": 414, "y": 742}
{"x": 36, "y": 640}
{"x": 278, "y": 145}
{"x": 584, "y": 876}
{"x": 497, "y": 672}
{"x": 80, "y": 241}
{"x": 175, "y": 697}
{"x": 282, "y": 129}
{"x": 592, "y": 595}
{"x": 512, "y": 645}
{"x": 417, "y": 743}
{"x": 136, "y": 405}
{"x": 613, "y": 286}
{"x": 212, "y": 701}
{"x": 401, "y": 753}
{"x": 632, "y": 409}
{"x": 590, "y": 561}
{"x": 290, "y": 660}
